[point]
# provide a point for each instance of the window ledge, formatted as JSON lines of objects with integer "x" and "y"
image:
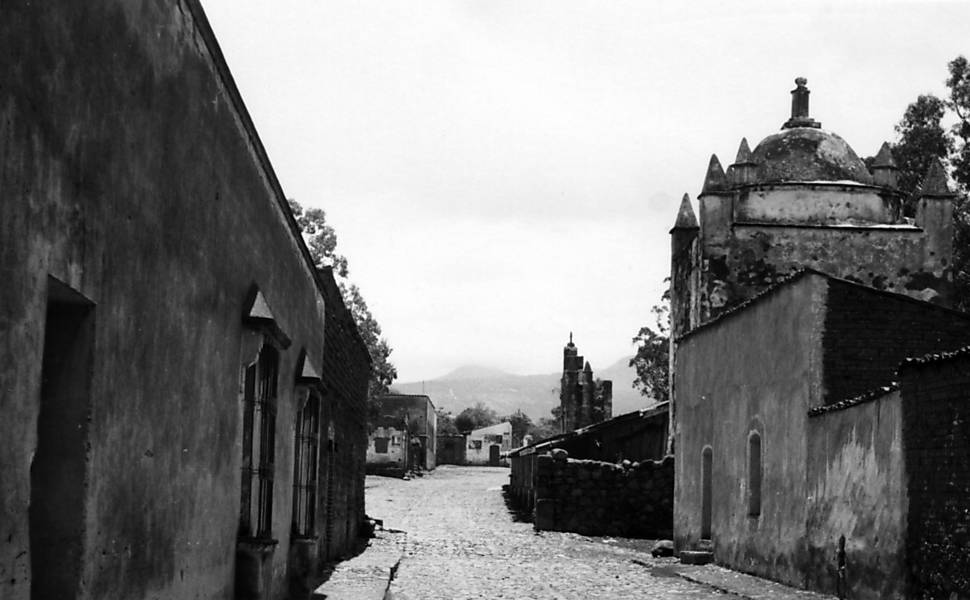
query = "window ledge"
{"x": 257, "y": 545}
{"x": 305, "y": 539}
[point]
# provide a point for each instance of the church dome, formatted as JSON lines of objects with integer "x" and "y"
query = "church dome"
{"x": 807, "y": 154}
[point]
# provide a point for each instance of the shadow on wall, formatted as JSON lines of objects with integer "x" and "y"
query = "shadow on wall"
{"x": 518, "y": 512}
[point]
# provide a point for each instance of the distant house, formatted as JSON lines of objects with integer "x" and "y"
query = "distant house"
{"x": 422, "y": 425}
{"x": 487, "y": 445}
{"x": 387, "y": 448}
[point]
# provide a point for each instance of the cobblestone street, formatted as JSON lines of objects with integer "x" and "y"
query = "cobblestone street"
{"x": 462, "y": 541}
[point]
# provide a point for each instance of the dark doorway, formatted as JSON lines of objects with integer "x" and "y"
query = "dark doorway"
{"x": 494, "y": 453}
{"x": 58, "y": 470}
{"x": 706, "y": 508}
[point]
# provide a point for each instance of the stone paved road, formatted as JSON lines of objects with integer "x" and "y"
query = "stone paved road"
{"x": 462, "y": 542}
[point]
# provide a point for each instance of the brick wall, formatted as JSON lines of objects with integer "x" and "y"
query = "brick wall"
{"x": 868, "y": 333}
{"x": 936, "y": 447}
{"x": 598, "y": 498}
{"x": 347, "y": 370}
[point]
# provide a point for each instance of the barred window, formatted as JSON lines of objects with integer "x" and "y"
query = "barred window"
{"x": 305, "y": 467}
{"x": 259, "y": 443}
{"x": 754, "y": 475}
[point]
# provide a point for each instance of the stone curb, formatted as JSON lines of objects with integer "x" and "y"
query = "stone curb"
{"x": 367, "y": 576}
{"x": 743, "y": 585}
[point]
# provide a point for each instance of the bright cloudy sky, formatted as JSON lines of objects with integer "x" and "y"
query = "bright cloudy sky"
{"x": 503, "y": 172}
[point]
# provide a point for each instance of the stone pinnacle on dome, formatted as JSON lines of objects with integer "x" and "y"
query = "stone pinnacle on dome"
{"x": 799, "y": 107}
{"x": 744, "y": 153}
{"x": 884, "y": 158}
{"x": 935, "y": 184}
{"x": 744, "y": 169}
{"x": 884, "y": 170}
{"x": 715, "y": 180}
{"x": 686, "y": 219}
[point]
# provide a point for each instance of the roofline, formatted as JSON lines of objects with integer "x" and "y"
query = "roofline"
{"x": 643, "y": 413}
{"x": 863, "y": 398}
{"x": 394, "y": 395}
{"x": 798, "y": 274}
{"x": 886, "y": 227}
{"x": 204, "y": 28}
{"x": 847, "y": 184}
{"x": 933, "y": 358}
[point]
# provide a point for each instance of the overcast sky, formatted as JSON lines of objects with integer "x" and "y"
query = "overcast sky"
{"x": 501, "y": 173}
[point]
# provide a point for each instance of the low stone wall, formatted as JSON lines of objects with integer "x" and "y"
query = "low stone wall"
{"x": 598, "y": 498}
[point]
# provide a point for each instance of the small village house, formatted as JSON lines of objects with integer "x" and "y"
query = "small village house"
{"x": 488, "y": 445}
{"x": 422, "y": 425}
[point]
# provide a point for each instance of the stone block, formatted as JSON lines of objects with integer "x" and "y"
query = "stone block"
{"x": 545, "y": 515}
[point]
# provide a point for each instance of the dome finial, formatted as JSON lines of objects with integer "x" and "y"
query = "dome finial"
{"x": 799, "y": 107}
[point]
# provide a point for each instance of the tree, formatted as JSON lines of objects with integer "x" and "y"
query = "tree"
{"x": 923, "y": 138}
{"x": 320, "y": 237}
{"x": 521, "y": 425}
{"x": 959, "y": 103}
{"x": 383, "y": 371}
{"x": 321, "y": 240}
{"x": 475, "y": 417}
{"x": 547, "y": 427}
{"x": 652, "y": 359}
{"x": 446, "y": 422}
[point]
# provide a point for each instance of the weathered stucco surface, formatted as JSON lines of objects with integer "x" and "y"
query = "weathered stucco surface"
{"x": 128, "y": 173}
{"x": 755, "y": 370}
{"x": 804, "y": 203}
{"x": 857, "y": 489}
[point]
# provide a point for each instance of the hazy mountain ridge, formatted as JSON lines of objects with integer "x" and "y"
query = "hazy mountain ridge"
{"x": 504, "y": 392}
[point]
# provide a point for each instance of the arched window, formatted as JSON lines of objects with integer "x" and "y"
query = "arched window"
{"x": 754, "y": 474}
{"x": 259, "y": 443}
{"x": 305, "y": 467}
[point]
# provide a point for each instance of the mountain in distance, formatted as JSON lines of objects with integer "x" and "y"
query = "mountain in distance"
{"x": 505, "y": 393}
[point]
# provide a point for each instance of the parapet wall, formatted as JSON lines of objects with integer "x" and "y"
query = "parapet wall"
{"x": 599, "y": 498}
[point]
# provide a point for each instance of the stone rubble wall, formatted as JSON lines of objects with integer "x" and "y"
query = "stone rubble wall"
{"x": 936, "y": 450}
{"x": 599, "y": 498}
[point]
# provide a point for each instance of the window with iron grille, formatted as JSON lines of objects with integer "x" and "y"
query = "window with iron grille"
{"x": 305, "y": 467}
{"x": 259, "y": 442}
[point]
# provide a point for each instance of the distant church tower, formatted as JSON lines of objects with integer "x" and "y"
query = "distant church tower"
{"x": 583, "y": 400}
{"x": 803, "y": 198}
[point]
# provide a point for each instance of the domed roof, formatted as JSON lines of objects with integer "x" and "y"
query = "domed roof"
{"x": 807, "y": 154}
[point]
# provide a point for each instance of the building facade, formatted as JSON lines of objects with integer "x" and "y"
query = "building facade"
{"x": 388, "y": 447}
{"x": 794, "y": 300}
{"x": 163, "y": 332}
{"x": 583, "y": 399}
{"x": 422, "y": 423}
{"x": 488, "y": 445}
